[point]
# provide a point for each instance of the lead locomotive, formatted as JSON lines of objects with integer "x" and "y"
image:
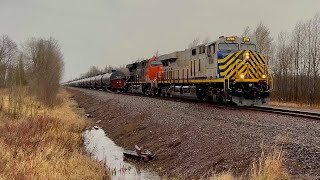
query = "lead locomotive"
{"x": 229, "y": 70}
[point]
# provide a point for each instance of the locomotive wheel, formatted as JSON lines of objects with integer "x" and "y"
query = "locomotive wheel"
{"x": 154, "y": 91}
{"x": 207, "y": 98}
{"x": 220, "y": 99}
{"x": 159, "y": 92}
{"x": 162, "y": 93}
{"x": 147, "y": 92}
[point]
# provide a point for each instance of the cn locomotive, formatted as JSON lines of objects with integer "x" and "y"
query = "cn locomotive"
{"x": 228, "y": 70}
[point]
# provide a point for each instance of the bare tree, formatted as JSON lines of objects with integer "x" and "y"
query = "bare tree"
{"x": 315, "y": 55}
{"x": 246, "y": 32}
{"x": 262, "y": 37}
{"x": 108, "y": 69}
{"x": 206, "y": 40}
{"x": 16, "y": 75}
{"x": 94, "y": 70}
{"x": 297, "y": 45}
{"x": 298, "y": 64}
{"x": 46, "y": 67}
{"x": 194, "y": 43}
{"x": 123, "y": 69}
{"x": 8, "y": 49}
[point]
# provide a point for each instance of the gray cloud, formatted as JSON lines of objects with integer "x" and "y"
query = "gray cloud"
{"x": 115, "y": 32}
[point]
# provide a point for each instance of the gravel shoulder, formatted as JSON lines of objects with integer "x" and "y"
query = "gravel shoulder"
{"x": 195, "y": 140}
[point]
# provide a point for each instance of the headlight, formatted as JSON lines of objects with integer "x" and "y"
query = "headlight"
{"x": 247, "y": 55}
{"x": 242, "y": 76}
{"x": 264, "y": 76}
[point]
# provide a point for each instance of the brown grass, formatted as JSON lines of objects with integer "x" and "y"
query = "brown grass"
{"x": 294, "y": 105}
{"x": 46, "y": 146}
{"x": 223, "y": 176}
{"x": 267, "y": 167}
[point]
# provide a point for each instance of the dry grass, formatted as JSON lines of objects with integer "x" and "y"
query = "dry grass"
{"x": 268, "y": 167}
{"x": 223, "y": 176}
{"x": 294, "y": 105}
{"x": 17, "y": 102}
{"x": 45, "y": 146}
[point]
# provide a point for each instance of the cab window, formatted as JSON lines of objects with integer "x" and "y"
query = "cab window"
{"x": 156, "y": 63}
{"x": 251, "y": 47}
{"x": 230, "y": 47}
{"x": 194, "y": 52}
{"x": 211, "y": 49}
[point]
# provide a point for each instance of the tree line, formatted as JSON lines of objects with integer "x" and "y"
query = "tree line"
{"x": 36, "y": 65}
{"x": 95, "y": 70}
{"x": 294, "y": 60}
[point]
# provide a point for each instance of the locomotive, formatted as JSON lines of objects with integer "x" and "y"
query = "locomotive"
{"x": 228, "y": 70}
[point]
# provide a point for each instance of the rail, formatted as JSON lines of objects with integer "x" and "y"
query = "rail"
{"x": 290, "y": 112}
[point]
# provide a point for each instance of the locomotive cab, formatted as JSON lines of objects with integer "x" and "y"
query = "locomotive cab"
{"x": 243, "y": 70}
{"x": 154, "y": 69}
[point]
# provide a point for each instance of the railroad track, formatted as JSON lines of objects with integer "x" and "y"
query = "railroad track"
{"x": 289, "y": 112}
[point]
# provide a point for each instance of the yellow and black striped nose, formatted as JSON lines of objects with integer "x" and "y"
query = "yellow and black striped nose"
{"x": 243, "y": 64}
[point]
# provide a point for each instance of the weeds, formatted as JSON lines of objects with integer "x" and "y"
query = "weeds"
{"x": 223, "y": 176}
{"x": 268, "y": 167}
{"x": 294, "y": 105}
{"x": 44, "y": 143}
{"x": 1, "y": 100}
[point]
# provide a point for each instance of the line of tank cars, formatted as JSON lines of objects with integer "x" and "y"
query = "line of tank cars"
{"x": 228, "y": 70}
{"x": 113, "y": 81}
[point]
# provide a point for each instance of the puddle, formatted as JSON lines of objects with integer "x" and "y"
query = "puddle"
{"x": 102, "y": 148}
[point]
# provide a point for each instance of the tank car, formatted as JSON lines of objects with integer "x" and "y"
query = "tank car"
{"x": 112, "y": 81}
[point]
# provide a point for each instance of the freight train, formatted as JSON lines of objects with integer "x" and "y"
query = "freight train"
{"x": 228, "y": 70}
{"x": 108, "y": 81}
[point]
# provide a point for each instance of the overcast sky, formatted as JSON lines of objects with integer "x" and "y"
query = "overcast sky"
{"x": 115, "y": 32}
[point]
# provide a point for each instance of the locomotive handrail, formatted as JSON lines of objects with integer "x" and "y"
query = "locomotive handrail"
{"x": 271, "y": 79}
{"x": 169, "y": 75}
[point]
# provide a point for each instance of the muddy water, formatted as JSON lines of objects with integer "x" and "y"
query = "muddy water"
{"x": 102, "y": 148}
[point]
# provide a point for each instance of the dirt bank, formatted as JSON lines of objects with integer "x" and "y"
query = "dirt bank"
{"x": 194, "y": 140}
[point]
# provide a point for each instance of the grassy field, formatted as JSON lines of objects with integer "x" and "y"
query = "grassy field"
{"x": 43, "y": 143}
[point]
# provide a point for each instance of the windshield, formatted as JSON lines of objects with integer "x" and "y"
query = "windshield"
{"x": 156, "y": 63}
{"x": 228, "y": 47}
{"x": 251, "y": 47}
